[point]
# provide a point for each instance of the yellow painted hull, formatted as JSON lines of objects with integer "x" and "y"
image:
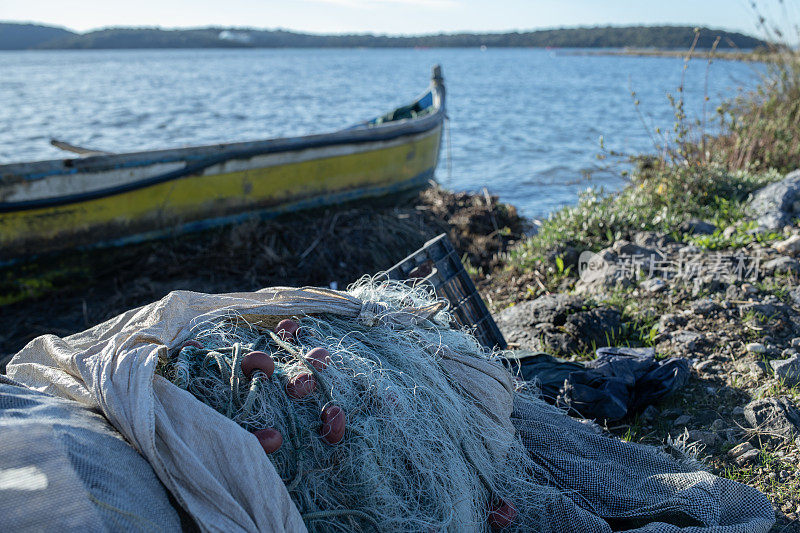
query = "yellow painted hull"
{"x": 216, "y": 196}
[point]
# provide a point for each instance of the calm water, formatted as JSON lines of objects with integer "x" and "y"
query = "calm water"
{"x": 524, "y": 122}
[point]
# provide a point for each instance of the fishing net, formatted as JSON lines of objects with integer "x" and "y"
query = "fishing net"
{"x": 420, "y": 450}
{"x": 435, "y": 435}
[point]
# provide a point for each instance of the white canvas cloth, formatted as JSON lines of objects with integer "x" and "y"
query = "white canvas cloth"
{"x": 215, "y": 469}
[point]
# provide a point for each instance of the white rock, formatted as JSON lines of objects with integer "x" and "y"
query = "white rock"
{"x": 653, "y": 285}
{"x": 789, "y": 246}
{"x": 742, "y": 448}
{"x": 755, "y": 347}
{"x": 787, "y": 369}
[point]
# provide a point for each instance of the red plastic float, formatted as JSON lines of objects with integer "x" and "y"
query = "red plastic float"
{"x": 333, "y": 424}
{"x": 502, "y": 515}
{"x": 319, "y": 358}
{"x": 258, "y": 361}
{"x": 301, "y": 386}
{"x": 287, "y": 329}
{"x": 270, "y": 439}
{"x": 191, "y": 343}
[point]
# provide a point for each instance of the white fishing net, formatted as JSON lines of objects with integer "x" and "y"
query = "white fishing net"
{"x": 420, "y": 451}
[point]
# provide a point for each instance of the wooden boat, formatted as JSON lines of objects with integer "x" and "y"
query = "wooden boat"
{"x": 104, "y": 198}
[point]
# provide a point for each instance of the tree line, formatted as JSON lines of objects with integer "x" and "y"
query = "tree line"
{"x": 29, "y": 36}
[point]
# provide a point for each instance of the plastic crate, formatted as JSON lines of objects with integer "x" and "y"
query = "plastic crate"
{"x": 438, "y": 264}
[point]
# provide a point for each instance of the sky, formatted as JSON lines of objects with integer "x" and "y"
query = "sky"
{"x": 391, "y": 16}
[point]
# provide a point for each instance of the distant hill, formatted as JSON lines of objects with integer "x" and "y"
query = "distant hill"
{"x": 146, "y": 38}
{"x": 662, "y": 37}
{"x": 23, "y": 36}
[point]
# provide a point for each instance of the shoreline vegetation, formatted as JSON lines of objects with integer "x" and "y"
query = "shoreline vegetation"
{"x": 694, "y": 211}
{"x": 759, "y": 55}
{"x": 14, "y": 36}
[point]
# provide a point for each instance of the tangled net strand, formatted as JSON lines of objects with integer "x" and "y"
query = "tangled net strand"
{"x": 413, "y": 457}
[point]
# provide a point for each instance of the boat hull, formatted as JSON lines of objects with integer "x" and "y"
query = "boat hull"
{"x": 261, "y": 185}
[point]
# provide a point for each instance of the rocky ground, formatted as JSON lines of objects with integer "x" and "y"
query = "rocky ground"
{"x": 726, "y": 299}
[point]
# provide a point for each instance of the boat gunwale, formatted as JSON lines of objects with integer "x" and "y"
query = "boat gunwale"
{"x": 189, "y": 170}
{"x": 13, "y": 173}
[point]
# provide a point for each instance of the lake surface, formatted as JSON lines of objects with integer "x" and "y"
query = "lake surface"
{"x": 525, "y": 123}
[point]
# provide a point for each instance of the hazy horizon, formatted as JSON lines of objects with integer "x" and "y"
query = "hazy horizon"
{"x": 396, "y": 17}
{"x": 374, "y": 33}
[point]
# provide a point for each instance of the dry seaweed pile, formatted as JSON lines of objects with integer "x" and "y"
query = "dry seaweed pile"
{"x": 364, "y": 423}
{"x": 478, "y": 224}
{"x": 67, "y": 293}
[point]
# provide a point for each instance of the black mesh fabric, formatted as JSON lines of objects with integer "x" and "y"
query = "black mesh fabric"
{"x": 611, "y": 485}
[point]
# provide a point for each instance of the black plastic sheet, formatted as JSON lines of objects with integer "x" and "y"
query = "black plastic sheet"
{"x": 619, "y": 382}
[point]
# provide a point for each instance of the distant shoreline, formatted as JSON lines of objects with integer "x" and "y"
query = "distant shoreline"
{"x": 561, "y": 51}
{"x": 749, "y": 55}
{"x": 15, "y": 36}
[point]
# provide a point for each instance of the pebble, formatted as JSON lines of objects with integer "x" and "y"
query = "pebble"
{"x": 758, "y": 368}
{"x": 683, "y": 420}
{"x": 705, "y": 307}
{"x": 653, "y": 285}
{"x": 738, "y": 411}
{"x": 787, "y": 370}
{"x": 747, "y": 457}
{"x": 729, "y": 231}
{"x": 782, "y": 265}
{"x": 703, "y": 366}
{"x": 650, "y": 413}
{"x": 707, "y": 438}
{"x": 789, "y": 246}
{"x": 796, "y": 342}
{"x": 688, "y": 339}
{"x": 749, "y": 289}
{"x": 775, "y": 418}
{"x": 755, "y": 347}
{"x": 718, "y": 424}
{"x": 740, "y": 449}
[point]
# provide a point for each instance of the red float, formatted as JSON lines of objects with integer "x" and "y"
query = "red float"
{"x": 301, "y": 386}
{"x": 287, "y": 329}
{"x": 191, "y": 343}
{"x": 502, "y": 515}
{"x": 319, "y": 358}
{"x": 270, "y": 439}
{"x": 333, "y": 424}
{"x": 258, "y": 361}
